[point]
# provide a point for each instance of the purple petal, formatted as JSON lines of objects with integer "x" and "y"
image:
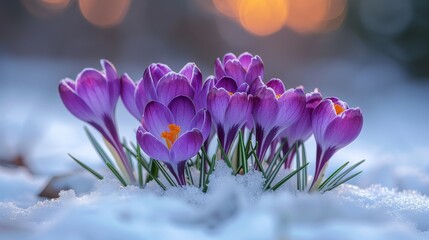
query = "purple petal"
{"x": 202, "y": 122}
{"x": 255, "y": 70}
{"x": 156, "y": 118}
{"x": 256, "y": 85}
{"x": 277, "y": 85}
{"x": 245, "y": 59}
{"x": 92, "y": 88}
{"x": 113, "y": 82}
{"x": 239, "y": 108}
{"x": 151, "y": 77}
{"x": 228, "y": 84}
{"x": 73, "y": 102}
{"x": 218, "y": 69}
{"x": 265, "y": 108}
{"x": 152, "y": 146}
{"x": 291, "y": 107}
{"x": 227, "y": 57}
{"x": 193, "y": 74}
{"x": 321, "y": 117}
{"x": 234, "y": 69}
{"x": 343, "y": 129}
{"x": 186, "y": 146}
{"x": 127, "y": 95}
{"x": 183, "y": 111}
{"x": 141, "y": 96}
{"x": 173, "y": 85}
{"x": 217, "y": 102}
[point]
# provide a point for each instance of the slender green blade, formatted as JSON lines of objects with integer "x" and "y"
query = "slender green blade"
{"x": 116, "y": 173}
{"x": 274, "y": 172}
{"x": 276, "y": 157}
{"x": 332, "y": 176}
{"x": 202, "y": 181}
{"x": 86, "y": 167}
{"x": 289, "y": 176}
{"x": 243, "y": 154}
{"x": 224, "y": 155}
{"x": 304, "y": 161}
{"x": 103, "y": 155}
{"x": 260, "y": 168}
{"x": 341, "y": 182}
{"x": 189, "y": 173}
{"x": 342, "y": 175}
{"x": 140, "y": 161}
{"x": 165, "y": 173}
{"x": 298, "y": 176}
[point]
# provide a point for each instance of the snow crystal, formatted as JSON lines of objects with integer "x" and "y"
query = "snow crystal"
{"x": 234, "y": 207}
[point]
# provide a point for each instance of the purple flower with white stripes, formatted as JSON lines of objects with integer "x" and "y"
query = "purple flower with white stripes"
{"x": 92, "y": 98}
{"x": 173, "y": 133}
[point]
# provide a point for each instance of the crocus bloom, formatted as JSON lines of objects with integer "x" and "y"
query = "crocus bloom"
{"x": 335, "y": 125}
{"x": 174, "y": 133}
{"x": 301, "y": 130}
{"x": 275, "y": 110}
{"x": 229, "y": 109}
{"x": 244, "y": 70}
{"x": 161, "y": 84}
{"x": 92, "y": 98}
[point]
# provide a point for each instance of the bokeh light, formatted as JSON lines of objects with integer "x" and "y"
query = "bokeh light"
{"x": 228, "y": 8}
{"x": 104, "y": 13}
{"x": 312, "y": 16}
{"x": 45, "y": 8}
{"x": 262, "y": 17}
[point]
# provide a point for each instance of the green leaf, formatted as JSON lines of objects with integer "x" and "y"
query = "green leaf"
{"x": 260, "y": 168}
{"x": 96, "y": 174}
{"x": 116, "y": 173}
{"x": 342, "y": 175}
{"x": 242, "y": 150}
{"x": 332, "y": 176}
{"x": 189, "y": 173}
{"x": 103, "y": 155}
{"x": 165, "y": 173}
{"x": 273, "y": 174}
{"x": 202, "y": 181}
{"x": 289, "y": 176}
{"x": 224, "y": 155}
{"x": 140, "y": 161}
{"x": 343, "y": 181}
{"x": 304, "y": 161}
{"x": 276, "y": 156}
{"x": 299, "y": 183}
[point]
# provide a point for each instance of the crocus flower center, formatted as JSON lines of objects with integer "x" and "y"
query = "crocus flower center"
{"x": 230, "y": 93}
{"x": 278, "y": 96}
{"x": 171, "y": 135}
{"x": 338, "y": 108}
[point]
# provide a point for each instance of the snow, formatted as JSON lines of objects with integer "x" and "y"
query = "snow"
{"x": 234, "y": 206}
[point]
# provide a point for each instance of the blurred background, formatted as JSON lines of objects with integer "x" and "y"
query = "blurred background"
{"x": 372, "y": 54}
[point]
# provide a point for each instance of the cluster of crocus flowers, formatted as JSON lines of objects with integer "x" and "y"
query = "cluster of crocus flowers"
{"x": 180, "y": 114}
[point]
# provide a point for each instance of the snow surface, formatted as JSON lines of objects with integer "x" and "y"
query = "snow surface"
{"x": 234, "y": 207}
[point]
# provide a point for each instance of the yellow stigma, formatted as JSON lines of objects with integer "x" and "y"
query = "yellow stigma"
{"x": 278, "y": 96}
{"x": 338, "y": 108}
{"x": 230, "y": 93}
{"x": 172, "y": 135}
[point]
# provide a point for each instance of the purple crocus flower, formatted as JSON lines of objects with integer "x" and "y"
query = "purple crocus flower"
{"x": 92, "y": 98}
{"x": 229, "y": 108}
{"x": 301, "y": 130}
{"x": 161, "y": 84}
{"x": 244, "y": 69}
{"x": 275, "y": 110}
{"x": 335, "y": 125}
{"x": 174, "y": 133}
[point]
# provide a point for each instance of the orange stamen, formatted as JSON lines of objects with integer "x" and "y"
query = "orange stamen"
{"x": 172, "y": 135}
{"x": 338, "y": 109}
{"x": 278, "y": 96}
{"x": 230, "y": 93}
